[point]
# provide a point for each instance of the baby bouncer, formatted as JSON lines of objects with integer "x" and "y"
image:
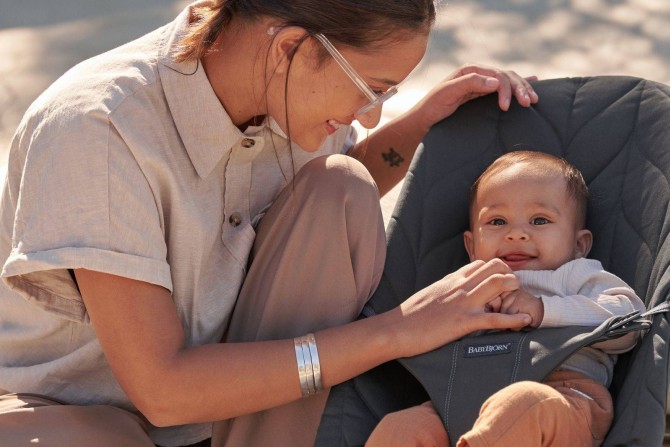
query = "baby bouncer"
{"x": 616, "y": 130}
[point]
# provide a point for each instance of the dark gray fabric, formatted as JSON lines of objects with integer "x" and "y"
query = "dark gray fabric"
{"x": 460, "y": 376}
{"x": 617, "y": 131}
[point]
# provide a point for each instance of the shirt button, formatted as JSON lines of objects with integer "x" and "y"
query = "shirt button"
{"x": 248, "y": 142}
{"x": 235, "y": 219}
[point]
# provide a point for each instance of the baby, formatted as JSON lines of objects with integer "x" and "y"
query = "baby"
{"x": 529, "y": 210}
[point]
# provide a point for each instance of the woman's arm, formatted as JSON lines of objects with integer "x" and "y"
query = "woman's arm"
{"x": 388, "y": 151}
{"x": 142, "y": 338}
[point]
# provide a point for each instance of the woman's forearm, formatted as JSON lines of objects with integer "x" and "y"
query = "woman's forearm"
{"x": 388, "y": 152}
{"x": 171, "y": 384}
{"x": 220, "y": 381}
{"x": 141, "y": 335}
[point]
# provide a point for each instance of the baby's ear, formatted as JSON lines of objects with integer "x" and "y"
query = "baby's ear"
{"x": 469, "y": 242}
{"x": 583, "y": 243}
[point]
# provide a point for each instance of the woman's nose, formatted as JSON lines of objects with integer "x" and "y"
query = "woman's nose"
{"x": 371, "y": 118}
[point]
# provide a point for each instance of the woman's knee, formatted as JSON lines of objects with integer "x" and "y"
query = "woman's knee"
{"x": 337, "y": 175}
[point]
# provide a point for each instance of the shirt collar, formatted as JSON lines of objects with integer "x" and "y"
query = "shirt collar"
{"x": 205, "y": 128}
{"x": 268, "y": 123}
{"x": 203, "y": 124}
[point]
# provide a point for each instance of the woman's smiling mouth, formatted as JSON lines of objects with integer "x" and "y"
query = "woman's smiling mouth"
{"x": 332, "y": 126}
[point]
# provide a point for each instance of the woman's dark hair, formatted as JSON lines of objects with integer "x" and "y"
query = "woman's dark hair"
{"x": 355, "y": 23}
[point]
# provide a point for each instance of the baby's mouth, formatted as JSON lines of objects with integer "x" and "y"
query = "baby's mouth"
{"x": 517, "y": 261}
{"x": 517, "y": 257}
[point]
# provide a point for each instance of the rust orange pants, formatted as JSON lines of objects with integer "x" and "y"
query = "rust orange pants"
{"x": 567, "y": 410}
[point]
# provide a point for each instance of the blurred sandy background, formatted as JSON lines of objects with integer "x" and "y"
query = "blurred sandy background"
{"x": 40, "y": 39}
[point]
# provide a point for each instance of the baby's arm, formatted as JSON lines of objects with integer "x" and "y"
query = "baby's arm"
{"x": 520, "y": 301}
{"x": 586, "y": 296}
{"x": 591, "y": 310}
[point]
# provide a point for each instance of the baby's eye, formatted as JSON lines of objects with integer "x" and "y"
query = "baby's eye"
{"x": 379, "y": 91}
{"x": 497, "y": 221}
{"x": 539, "y": 221}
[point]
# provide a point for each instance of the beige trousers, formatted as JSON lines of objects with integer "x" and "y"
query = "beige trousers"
{"x": 28, "y": 420}
{"x": 318, "y": 256}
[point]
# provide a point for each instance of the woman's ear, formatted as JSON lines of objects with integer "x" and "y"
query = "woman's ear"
{"x": 469, "y": 241}
{"x": 583, "y": 243}
{"x": 283, "y": 47}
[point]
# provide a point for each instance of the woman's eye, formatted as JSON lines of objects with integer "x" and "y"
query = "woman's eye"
{"x": 497, "y": 222}
{"x": 378, "y": 92}
{"x": 539, "y": 221}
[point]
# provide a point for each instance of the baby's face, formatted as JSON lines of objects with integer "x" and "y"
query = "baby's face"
{"x": 527, "y": 219}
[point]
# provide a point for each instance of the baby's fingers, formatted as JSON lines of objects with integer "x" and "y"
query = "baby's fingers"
{"x": 494, "y": 304}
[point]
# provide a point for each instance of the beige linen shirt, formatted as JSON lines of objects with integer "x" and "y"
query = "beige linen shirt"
{"x": 129, "y": 165}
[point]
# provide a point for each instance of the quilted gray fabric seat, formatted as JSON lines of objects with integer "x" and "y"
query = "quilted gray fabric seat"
{"x": 617, "y": 131}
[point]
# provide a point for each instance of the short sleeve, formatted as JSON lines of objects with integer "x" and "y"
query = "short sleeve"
{"x": 82, "y": 201}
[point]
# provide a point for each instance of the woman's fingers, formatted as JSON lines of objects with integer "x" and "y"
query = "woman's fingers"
{"x": 509, "y": 84}
{"x": 502, "y": 321}
{"x": 472, "y": 81}
{"x": 493, "y": 286}
{"x": 490, "y": 278}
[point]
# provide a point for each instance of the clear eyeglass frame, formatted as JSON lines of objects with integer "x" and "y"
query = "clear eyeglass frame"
{"x": 375, "y": 99}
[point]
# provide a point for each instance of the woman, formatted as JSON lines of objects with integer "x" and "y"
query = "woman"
{"x": 189, "y": 188}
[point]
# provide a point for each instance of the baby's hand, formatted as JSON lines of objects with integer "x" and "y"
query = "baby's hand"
{"x": 521, "y": 302}
{"x": 494, "y": 305}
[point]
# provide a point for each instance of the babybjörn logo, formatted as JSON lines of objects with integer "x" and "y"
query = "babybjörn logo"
{"x": 487, "y": 349}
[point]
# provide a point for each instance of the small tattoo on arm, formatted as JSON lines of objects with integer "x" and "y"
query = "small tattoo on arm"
{"x": 393, "y": 158}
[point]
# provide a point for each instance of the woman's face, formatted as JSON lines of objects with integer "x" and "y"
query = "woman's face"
{"x": 321, "y": 97}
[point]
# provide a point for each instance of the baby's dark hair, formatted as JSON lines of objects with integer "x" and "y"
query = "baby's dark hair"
{"x": 574, "y": 180}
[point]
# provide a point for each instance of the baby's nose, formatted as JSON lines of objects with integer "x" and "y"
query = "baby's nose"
{"x": 517, "y": 233}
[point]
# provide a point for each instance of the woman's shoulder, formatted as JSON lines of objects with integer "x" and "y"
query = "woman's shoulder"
{"x": 76, "y": 109}
{"x": 102, "y": 82}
